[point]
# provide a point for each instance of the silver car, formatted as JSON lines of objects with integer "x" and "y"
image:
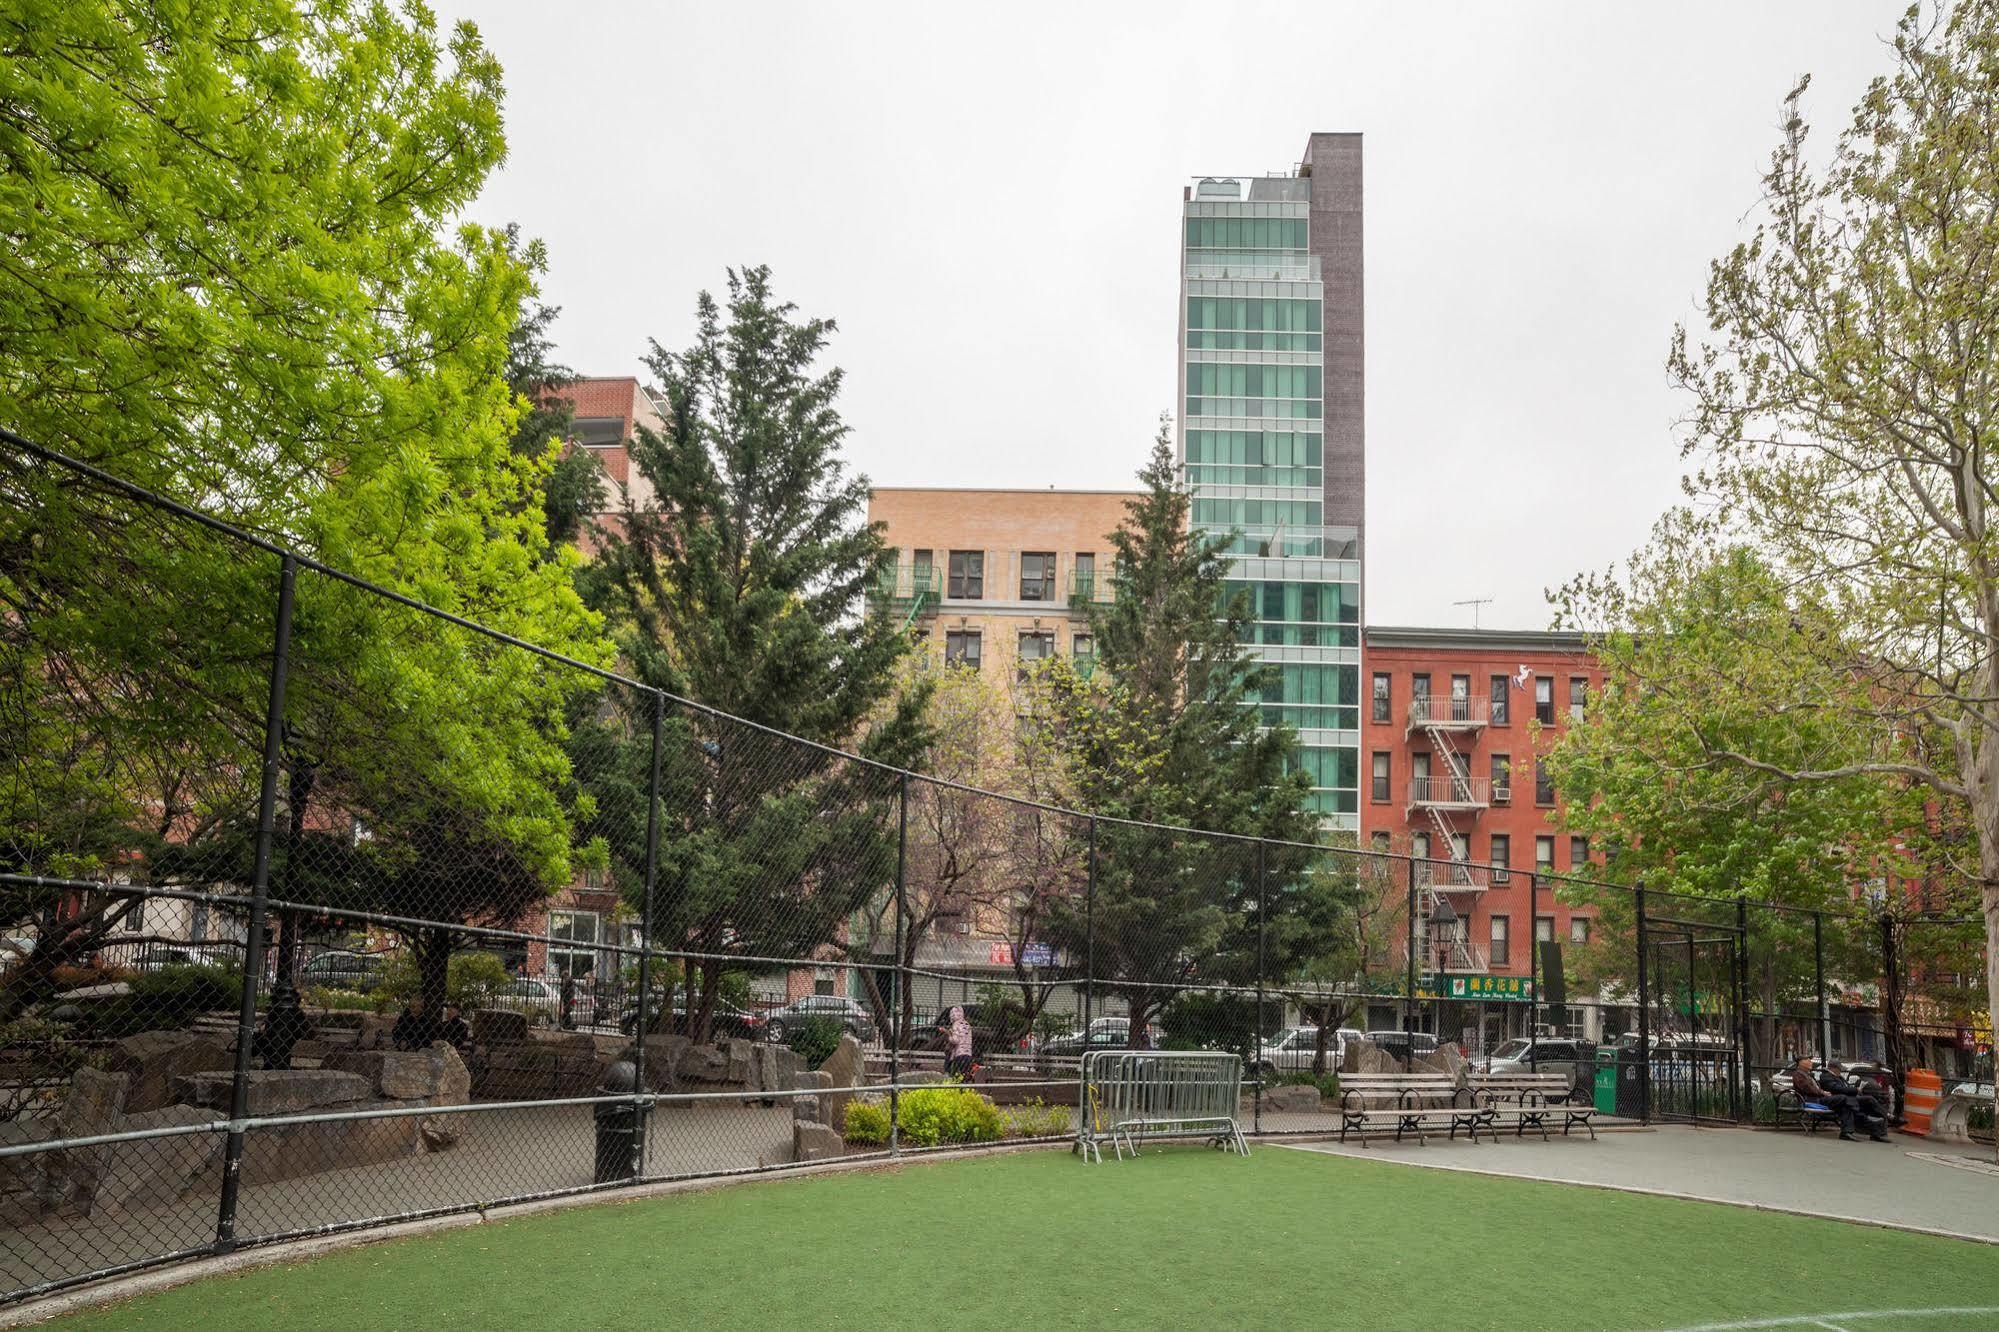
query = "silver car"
{"x": 1545, "y": 1054}
{"x": 1293, "y": 1049}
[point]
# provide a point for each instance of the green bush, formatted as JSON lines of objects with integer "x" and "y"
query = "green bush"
{"x": 470, "y": 979}
{"x": 867, "y": 1123}
{"x": 345, "y": 1001}
{"x": 163, "y": 1000}
{"x": 1034, "y": 1119}
{"x": 1328, "y": 1084}
{"x": 815, "y": 1039}
{"x": 931, "y": 1116}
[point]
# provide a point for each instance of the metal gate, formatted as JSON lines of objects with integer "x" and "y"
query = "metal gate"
{"x": 1693, "y": 976}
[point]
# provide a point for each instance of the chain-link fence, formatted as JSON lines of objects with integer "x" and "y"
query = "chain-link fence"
{"x": 327, "y": 908}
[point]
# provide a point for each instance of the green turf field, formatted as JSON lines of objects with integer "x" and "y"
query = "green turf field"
{"x": 1181, "y": 1237}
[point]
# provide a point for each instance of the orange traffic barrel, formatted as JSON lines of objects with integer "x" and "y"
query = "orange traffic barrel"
{"x": 1920, "y": 1095}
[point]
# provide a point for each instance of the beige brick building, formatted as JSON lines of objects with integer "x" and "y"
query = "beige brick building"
{"x": 991, "y": 578}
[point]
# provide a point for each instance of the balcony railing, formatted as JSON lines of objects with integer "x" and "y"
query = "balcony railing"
{"x": 1435, "y": 712}
{"x": 1088, "y": 585}
{"x": 907, "y": 589}
{"x": 1449, "y": 793}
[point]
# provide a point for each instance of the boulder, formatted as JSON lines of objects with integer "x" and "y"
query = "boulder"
{"x": 703, "y": 1063}
{"x": 809, "y": 1080}
{"x": 805, "y": 1108}
{"x": 774, "y": 1068}
{"x": 530, "y": 1070}
{"x": 276, "y": 1091}
{"x": 1447, "y": 1061}
{"x": 498, "y": 1026}
{"x": 95, "y": 1104}
{"x": 1367, "y": 1057}
{"x": 570, "y": 1044}
{"x": 813, "y": 1141}
{"x": 923, "y": 1077}
{"x": 848, "y": 1067}
{"x": 153, "y": 1059}
{"x": 739, "y": 1054}
{"x": 1301, "y": 1098}
{"x": 375, "y": 1032}
{"x": 663, "y": 1055}
{"x": 158, "y": 1172}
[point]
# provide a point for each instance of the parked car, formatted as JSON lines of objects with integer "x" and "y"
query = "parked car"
{"x": 1106, "y": 1033}
{"x": 1396, "y": 1043}
{"x": 781, "y": 1022}
{"x": 1543, "y": 1054}
{"x": 727, "y": 1022}
{"x": 1293, "y": 1049}
{"x": 337, "y": 969}
{"x": 541, "y": 1001}
{"x": 156, "y": 956}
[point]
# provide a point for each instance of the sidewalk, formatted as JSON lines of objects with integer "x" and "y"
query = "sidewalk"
{"x": 1890, "y": 1183}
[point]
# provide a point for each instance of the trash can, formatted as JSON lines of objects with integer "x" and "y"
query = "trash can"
{"x": 619, "y": 1125}
{"x": 1629, "y": 1062}
{"x": 1606, "y": 1080}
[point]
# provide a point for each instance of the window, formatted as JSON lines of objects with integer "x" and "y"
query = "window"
{"x": 1578, "y": 854}
{"x": 593, "y": 877}
{"x": 1502, "y": 777}
{"x": 963, "y": 647}
{"x": 1419, "y": 847}
{"x": 1037, "y": 576}
{"x": 1544, "y": 929}
{"x": 1083, "y": 646}
{"x": 572, "y": 939}
{"x": 1502, "y": 857}
{"x": 1086, "y": 574}
{"x": 1419, "y": 686}
{"x": 1544, "y": 699}
{"x": 1500, "y": 953}
{"x": 1578, "y": 695}
{"x": 1380, "y": 777}
{"x": 1544, "y": 784}
{"x": 1380, "y": 713}
{"x": 968, "y": 575}
{"x": 1380, "y": 842}
{"x": 920, "y": 561}
{"x": 1500, "y": 715}
{"x": 1544, "y": 853}
{"x": 1578, "y": 929}
{"x": 1035, "y": 645}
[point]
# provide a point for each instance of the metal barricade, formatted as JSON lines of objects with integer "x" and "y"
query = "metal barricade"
{"x": 1126, "y": 1095}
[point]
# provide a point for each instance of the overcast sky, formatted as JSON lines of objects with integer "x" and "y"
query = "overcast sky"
{"x": 987, "y": 200}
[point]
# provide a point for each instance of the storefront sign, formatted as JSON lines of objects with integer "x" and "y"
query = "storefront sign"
{"x": 1492, "y": 989}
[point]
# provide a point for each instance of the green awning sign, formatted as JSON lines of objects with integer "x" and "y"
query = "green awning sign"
{"x": 1492, "y": 989}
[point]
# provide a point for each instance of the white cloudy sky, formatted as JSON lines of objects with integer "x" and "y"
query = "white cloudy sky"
{"x": 986, "y": 198}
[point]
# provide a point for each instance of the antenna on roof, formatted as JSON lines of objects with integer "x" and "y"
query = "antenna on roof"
{"x": 1474, "y": 603}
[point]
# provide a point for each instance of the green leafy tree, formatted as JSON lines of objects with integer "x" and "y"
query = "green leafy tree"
{"x": 741, "y": 587}
{"x": 232, "y": 277}
{"x": 1840, "y": 395}
{"x": 1164, "y": 731}
{"x": 1709, "y": 650}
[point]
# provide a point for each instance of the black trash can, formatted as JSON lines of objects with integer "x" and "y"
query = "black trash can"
{"x": 1630, "y": 1102}
{"x": 619, "y": 1125}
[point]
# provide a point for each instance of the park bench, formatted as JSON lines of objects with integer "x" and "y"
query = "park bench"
{"x": 1413, "y": 1102}
{"x": 1528, "y": 1100}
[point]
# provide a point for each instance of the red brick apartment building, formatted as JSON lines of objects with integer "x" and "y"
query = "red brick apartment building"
{"x": 1450, "y": 769}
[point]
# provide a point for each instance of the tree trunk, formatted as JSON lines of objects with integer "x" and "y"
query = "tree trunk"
{"x": 711, "y": 981}
{"x": 58, "y": 944}
{"x": 687, "y": 989}
{"x": 433, "y": 967}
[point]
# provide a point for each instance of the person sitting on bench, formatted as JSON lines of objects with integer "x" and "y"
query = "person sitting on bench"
{"x": 1811, "y": 1093}
{"x": 1867, "y": 1106}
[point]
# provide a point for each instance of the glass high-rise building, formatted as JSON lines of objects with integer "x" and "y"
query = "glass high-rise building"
{"x": 1272, "y": 436}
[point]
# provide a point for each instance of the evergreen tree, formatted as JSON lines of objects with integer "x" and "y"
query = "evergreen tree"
{"x": 573, "y": 487}
{"x": 1165, "y": 731}
{"x": 741, "y": 586}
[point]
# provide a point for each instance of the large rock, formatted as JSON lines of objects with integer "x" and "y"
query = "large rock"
{"x": 403, "y": 1075}
{"x": 923, "y": 1077}
{"x": 848, "y": 1067}
{"x": 158, "y": 1172}
{"x": 1300, "y": 1098}
{"x": 662, "y": 1062}
{"x": 276, "y": 1091}
{"x": 805, "y": 1108}
{"x": 1445, "y": 1060}
{"x": 153, "y": 1059}
{"x": 375, "y": 1032}
{"x": 531, "y": 1070}
{"x": 739, "y": 1054}
{"x": 571, "y": 1044}
{"x": 774, "y": 1068}
{"x": 813, "y": 1141}
{"x": 1367, "y": 1057}
{"x": 95, "y": 1104}
{"x": 498, "y": 1026}
{"x": 703, "y": 1063}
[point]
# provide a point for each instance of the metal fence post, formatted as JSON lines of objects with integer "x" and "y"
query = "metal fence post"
{"x": 260, "y": 886}
{"x": 1090, "y": 936}
{"x": 644, "y": 1028}
{"x": 1644, "y": 1022}
{"x": 896, "y": 978}
{"x": 1256, "y": 1114}
{"x": 1409, "y": 981}
{"x": 1823, "y": 1017}
{"x": 1534, "y": 972}
{"x": 1747, "y": 1104}
{"x": 1891, "y": 1002}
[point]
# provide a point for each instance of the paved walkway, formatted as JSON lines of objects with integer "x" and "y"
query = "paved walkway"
{"x": 1907, "y": 1181}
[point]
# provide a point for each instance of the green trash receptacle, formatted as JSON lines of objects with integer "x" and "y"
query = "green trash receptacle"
{"x": 1606, "y": 1080}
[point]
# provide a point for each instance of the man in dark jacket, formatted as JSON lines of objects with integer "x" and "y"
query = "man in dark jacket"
{"x": 1811, "y": 1091}
{"x": 1865, "y": 1103}
{"x": 416, "y": 1028}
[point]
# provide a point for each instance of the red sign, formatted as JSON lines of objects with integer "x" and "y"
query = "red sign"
{"x": 1965, "y": 1040}
{"x": 1001, "y": 954}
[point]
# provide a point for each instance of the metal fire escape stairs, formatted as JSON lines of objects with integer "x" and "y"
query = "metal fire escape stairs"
{"x": 1448, "y": 950}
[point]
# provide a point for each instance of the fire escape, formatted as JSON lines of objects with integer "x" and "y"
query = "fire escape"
{"x": 1442, "y": 799}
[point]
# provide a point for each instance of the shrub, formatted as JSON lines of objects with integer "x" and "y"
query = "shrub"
{"x": 867, "y": 1123}
{"x": 931, "y": 1116}
{"x": 815, "y": 1039}
{"x": 1035, "y": 1119}
{"x": 470, "y": 979}
{"x": 166, "y": 999}
{"x": 345, "y": 1001}
{"x": 1328, "y": 1084}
